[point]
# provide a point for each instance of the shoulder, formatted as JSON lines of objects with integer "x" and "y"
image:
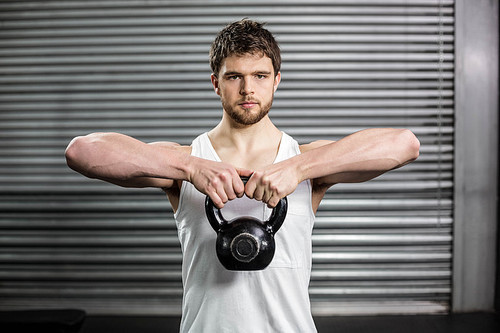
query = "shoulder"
{"x": 313, "y": 145}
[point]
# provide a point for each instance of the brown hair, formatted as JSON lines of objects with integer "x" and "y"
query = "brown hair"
{"x": 244, "y": 37}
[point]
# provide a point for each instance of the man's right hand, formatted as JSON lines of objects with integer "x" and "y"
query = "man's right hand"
{"x": 220, "y": 181}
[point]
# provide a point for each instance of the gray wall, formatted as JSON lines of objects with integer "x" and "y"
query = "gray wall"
{"x": 476, "y": 155}
{"x": 140, "y": 67}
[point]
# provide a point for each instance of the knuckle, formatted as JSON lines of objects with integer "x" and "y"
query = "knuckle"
{"x": 214, "y": 182}
{"x": 224, "y": 176}
{"x": 257, "y": 175}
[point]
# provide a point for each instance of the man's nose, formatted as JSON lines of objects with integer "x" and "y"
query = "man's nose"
{"x": 246, "y": 87}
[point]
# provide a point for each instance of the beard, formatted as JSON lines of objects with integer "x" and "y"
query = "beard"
{"x": 246, "y": 118}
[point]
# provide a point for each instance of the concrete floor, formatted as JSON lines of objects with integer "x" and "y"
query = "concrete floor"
{"x": 456, "y": 323}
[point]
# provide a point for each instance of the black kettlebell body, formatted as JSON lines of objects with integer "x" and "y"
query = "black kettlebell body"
{"x": 245, "y": 243}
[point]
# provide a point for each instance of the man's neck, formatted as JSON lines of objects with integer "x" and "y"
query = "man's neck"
{"x": 243, "y": 138}
{"x": 235, "y": 143}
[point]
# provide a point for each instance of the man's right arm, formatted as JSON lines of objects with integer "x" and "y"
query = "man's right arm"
{"x": 128, "y": 162}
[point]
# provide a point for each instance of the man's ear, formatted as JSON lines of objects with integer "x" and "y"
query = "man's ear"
{"x": 277, "y": 80}
{"x": 215, "y": 83}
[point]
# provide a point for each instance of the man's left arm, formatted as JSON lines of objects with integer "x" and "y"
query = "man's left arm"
{"x": 358, "y": 157}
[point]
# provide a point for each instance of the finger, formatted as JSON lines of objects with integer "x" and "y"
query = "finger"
{"x": 238, "y": 187}
{"x": 267, "y": 196}
{"x": 273, "y": 201}
{"x": 229, "y": 190}
{"x": 223, "y": 196}
{"x": 216, "y": 199}
{"x": 250, "y": 187}
{"x": 220, "y": 191}
{"x": 258, "y": 194}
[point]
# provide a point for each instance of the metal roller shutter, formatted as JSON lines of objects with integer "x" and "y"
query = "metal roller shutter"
{"x": 69, "y": 68}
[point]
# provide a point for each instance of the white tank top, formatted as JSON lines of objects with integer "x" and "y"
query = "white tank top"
{"x": 272, "y": 300}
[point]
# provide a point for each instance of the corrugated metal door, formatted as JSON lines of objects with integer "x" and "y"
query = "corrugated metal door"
{"x": 68, "y": 68}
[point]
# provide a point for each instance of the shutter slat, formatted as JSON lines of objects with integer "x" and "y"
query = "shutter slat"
{"x": 141, "y": 67}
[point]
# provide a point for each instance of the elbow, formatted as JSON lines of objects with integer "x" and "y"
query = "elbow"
{"x": 71, "y": 152}
{"x": 411, "y": 145}
{"x": 76, "y": 152}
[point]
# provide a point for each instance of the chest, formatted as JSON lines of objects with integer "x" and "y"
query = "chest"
{"x": 252, "y": 159}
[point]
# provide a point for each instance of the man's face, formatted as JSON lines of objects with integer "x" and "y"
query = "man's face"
{"x": 246, "y": 86}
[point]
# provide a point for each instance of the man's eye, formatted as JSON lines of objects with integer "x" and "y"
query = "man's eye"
{"x": 261, "y": 76}
{"x": 233, "y": 77}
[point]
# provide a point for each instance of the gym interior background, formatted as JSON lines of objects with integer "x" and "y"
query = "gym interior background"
{"x": 419, "y": 240}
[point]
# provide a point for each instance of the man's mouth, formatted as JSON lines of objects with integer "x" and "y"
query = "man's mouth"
{"x": 248, "y": 104}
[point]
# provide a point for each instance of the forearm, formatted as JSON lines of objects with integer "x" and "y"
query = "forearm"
{"x": 128, "y": 162}
{"x": 113, "y": 156}
{"x": 359, "y": 156}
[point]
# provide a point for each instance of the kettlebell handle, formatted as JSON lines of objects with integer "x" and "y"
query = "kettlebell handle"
{"x": 217, "y": 221}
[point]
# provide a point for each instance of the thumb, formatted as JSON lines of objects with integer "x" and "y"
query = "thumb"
{"x": 240, "y": 191}
{"x": 244, "y": 172}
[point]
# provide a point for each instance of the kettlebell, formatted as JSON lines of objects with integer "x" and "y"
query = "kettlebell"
{"x": 245, "y": 243}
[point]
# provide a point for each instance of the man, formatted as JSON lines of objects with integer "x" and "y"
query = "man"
{"x": 245, "y": 60}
